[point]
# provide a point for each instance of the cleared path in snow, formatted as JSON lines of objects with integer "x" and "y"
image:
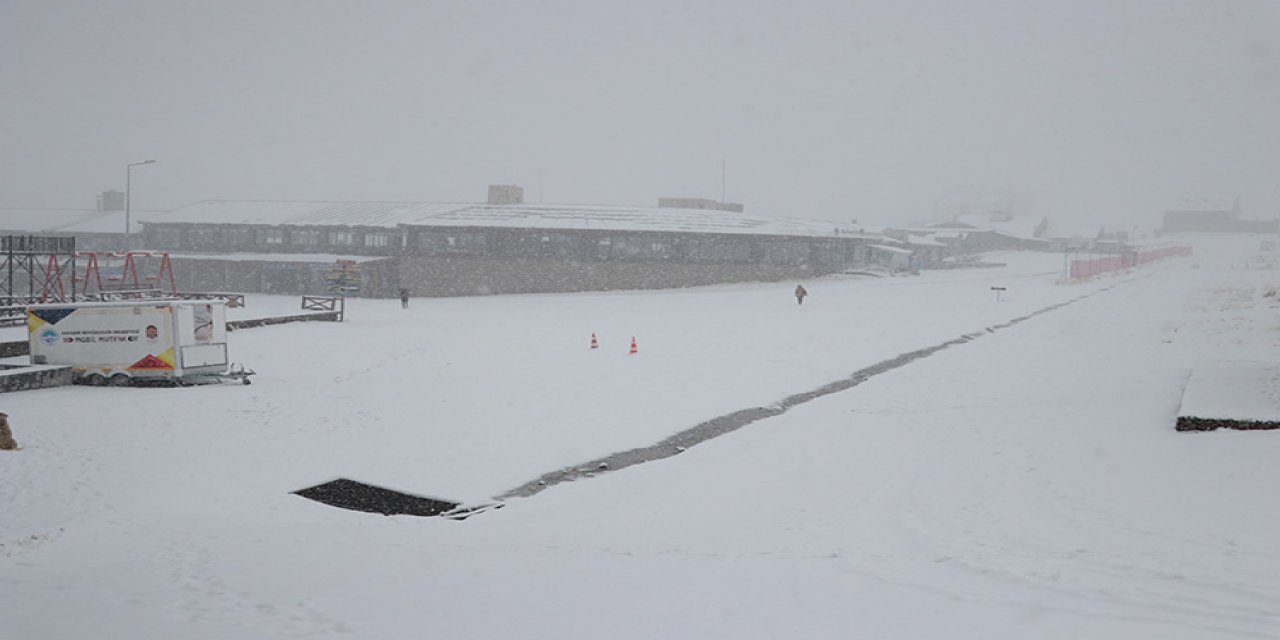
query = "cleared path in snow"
{"x": 731, "y": 422}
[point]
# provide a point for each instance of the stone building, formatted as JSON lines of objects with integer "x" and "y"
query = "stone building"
{"x": 1214, "y": 215}
{"x": 450, "y": 249}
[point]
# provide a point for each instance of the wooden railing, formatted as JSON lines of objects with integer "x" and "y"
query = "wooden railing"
{"x": 11, "y": 316}
{"x": 325, "y": 303}
{"x": 232, "y": 299}
{"x": 117, "y": 295}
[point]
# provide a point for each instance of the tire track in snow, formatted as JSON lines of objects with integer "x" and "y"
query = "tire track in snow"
{"x": 716, "y": 427}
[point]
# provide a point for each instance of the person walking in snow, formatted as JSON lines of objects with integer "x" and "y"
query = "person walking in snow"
{"x": 800, "y": 294}
{"x": 404, "y": 298}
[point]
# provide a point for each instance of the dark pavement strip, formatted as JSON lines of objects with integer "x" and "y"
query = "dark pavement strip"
{"x": 729, "y": 423}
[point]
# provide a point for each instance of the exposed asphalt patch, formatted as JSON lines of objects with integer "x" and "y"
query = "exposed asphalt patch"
{"x": 1191, "y": 423}
{"x": 729, "y": 423}
{"x": 357, "y": 496}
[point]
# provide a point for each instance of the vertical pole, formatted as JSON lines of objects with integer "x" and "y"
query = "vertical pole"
{"x": 128, "y": 228}
{"x": 9, "y": 265}
{"x": 71, "y": 248}
{"x": 724, "y": 188}
{"x": 28, "y": 265}
{"x": 128, "y": 202}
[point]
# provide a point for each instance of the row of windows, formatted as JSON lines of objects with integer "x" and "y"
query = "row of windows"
{"x": 536, "y": 244}
{"x": 214, "y": 238}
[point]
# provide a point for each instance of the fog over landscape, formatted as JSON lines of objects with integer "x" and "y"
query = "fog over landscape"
{"x": 882, "y": 112}
{"x": 483, "y": 319}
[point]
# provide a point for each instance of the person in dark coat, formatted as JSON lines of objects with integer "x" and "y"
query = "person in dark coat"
{"x": 800, "y": 294}
{"x": 404, "y": 298}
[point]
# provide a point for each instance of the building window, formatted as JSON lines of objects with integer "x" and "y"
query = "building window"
{"x": 719, "y": 250}
{"x": 452, "y": 242}
{"x": 270, "y": 236}
{"x": 635, "y": 248}
{"x": 780, "y": 252}
{"x": 205, "y": 238}
{"x": 341, "y": 238}
{"x": 305, "y": 237}
{"x": 545, "y": 245}
{"x": 239, "y": 238}
{"x": 167, "y": 236}
{"x": 377, "y": 239}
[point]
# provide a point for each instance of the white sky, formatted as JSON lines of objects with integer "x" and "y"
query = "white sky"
{"x": 1098, "y": 110}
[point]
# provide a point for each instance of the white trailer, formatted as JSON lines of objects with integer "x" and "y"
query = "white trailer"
{"x": 122, "y": 343}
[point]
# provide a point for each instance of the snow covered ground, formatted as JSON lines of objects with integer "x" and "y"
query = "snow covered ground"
{"x": 1027, "y": 483}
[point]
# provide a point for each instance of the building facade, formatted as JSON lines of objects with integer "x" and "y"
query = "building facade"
{"x": 441, "y": 249}
{"x": 1212, "y": 215}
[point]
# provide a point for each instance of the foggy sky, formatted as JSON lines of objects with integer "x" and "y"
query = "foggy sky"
{"x": 1101, "y": 110}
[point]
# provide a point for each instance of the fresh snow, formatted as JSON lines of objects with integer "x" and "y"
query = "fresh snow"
{"x": 1026, "y": 483}
{"x": 1236, "y": 390}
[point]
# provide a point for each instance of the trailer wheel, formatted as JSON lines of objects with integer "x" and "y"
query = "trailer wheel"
{"x": 95, "y": 380}
{"x": 248, "y": 381}
{"x": 120, "y": 380}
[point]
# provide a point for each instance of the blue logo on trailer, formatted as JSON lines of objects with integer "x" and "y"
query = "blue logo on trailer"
{"x": 52, "y": 316}
{"x": 49, "y": 336}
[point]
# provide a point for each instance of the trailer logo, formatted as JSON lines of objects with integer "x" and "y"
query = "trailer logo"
{"x": 151, "y": 362}
{"x": 52, "y": 316}
{"x": 49, "y": 337}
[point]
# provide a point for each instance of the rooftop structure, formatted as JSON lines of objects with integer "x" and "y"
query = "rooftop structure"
{"x": 521, "y": 216}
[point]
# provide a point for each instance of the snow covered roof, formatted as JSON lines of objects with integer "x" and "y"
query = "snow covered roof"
{"x": 923, "y": 241}
{"x": 885, "y": 247}
{"x": 279, "y": 212}
{"x": 1023, "y": 227}
{"x": 1203, "y": 204}
{"x": 537, "y": 216}
{"x": 1077, "y": 231}
{"x": 277, "y": 257}
{"x": 34, "y": 220}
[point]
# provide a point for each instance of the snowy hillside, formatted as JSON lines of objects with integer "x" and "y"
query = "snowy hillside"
{"x": 1025, "y": 482}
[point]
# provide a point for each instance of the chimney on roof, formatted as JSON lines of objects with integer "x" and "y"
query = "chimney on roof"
{"x": 111, "y": 200}
{"x": 506, "y": 194}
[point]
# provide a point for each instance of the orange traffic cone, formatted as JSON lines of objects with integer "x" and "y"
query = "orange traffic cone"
{"x": 595, "y": 344}
{"x": 633, "y": 346}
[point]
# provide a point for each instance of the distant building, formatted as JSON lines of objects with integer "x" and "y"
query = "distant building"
{"x": 111, "y": 200}
{"x": 444, "y": 249}
{"x": 1212, "y": 215}
{"x": 506, "y": 194}
{"x": 995, "y": 230}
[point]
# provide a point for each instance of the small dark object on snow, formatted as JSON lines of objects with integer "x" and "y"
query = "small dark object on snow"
{"x": 1191, "y": 423}
{"x": 7, "y": 443}
{"x": 357, "y": 496}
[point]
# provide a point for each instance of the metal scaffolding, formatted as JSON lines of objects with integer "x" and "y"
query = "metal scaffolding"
{"x": 37, "y": 269}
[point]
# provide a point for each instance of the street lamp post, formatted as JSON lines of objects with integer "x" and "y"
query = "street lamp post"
{"x": 128, "y": 179}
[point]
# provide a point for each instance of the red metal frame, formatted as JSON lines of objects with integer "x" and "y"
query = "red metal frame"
{"x": 53, "y": 277}
{"x": 128, "y": 272}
